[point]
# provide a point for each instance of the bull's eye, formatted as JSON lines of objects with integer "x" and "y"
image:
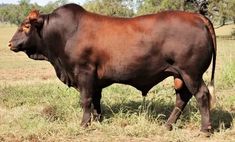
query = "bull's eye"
{"x": 26, "y": 28}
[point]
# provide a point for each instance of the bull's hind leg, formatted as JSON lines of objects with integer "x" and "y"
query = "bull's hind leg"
{"x": 182, "y": 97}
{"x": 198, "y": 88}
{"x": 202, "y": 97}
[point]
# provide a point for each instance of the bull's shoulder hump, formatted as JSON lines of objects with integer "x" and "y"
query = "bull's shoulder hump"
{"x": 69, "y": 7}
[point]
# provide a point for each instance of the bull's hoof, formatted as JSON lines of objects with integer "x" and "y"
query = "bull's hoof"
{"x": 85, "y": 124}
{"x": 168, "y": 127}
{"x": 205, "y": 133}
{"x": 97, "y": 117}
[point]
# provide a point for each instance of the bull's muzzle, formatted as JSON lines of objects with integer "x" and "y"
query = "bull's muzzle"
{"x": 12, "y": 47}
{"x": 10, "y": 44}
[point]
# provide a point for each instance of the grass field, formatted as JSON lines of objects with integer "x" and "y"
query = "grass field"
{"x": 36, "y": 106}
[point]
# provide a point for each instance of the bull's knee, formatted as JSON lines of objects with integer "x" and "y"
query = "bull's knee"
{"x": 203, "y": 95}
{"x": 178, "y": 83}
{"x": 86, "y": 102}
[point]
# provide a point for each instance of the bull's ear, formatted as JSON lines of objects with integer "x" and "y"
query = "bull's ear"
{"x": 35, "y": 17}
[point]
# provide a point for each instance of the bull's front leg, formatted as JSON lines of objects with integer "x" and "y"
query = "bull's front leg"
{"x": 90, "y": 98}
{"x": 85, "y": 100}
{"x": 96, "y": 104}
{"x": 87, "y": 89}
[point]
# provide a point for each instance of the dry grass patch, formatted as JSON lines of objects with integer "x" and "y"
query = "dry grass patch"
{"x": 225, "y": 30}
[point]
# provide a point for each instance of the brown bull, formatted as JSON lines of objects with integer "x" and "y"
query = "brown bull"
{"x": 91, "y": 51}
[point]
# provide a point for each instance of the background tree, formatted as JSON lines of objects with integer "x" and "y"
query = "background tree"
{"x": 152, "y": 6}
{"x": 23, "y": 10}
{"x": 15, "y": 13}
{"x": 222, "y": 11}
{"x": 120, "y": 8}
{"x": 50, "y": 6}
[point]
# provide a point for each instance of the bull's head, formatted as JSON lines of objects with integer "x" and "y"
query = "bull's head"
{"x": 28, "y": 38}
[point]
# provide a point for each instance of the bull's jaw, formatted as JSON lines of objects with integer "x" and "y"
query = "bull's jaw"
{"x": 14, "y": 48}
{"x": 36, "y": 56}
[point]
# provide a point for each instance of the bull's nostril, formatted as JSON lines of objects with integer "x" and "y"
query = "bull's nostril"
{"x": 9, "y": 44}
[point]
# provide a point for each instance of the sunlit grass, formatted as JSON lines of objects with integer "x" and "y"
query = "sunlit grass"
{"x": 225, "y": 30}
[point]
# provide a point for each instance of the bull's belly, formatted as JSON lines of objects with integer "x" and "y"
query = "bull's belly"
{"x": 148, "y": 81}
{"x": 143, "y": 78}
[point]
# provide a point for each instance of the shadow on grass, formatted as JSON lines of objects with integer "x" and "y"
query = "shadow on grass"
{"x": 220, "y": 118}
{"x": 136, "y": 107}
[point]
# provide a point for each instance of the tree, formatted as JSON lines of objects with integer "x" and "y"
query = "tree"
{"x": 50, "y": 6}
{"x": 148, "y": 6}
{"x": 200, "y": 6}
{"x": 152, "y": 6}
{"x": 231, "y": 12}
{"x": 23, "y": 10}
{"x": 221, "y": 11}
{"x": 15, "y": 14}
{"x": 120, "y": 8}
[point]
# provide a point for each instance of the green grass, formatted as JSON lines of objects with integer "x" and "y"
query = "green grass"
{"x": 36, "y": 106}
{"x": 225, "y": 68}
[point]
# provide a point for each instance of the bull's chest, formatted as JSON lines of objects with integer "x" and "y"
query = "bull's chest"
{"x": 65, "y": 72}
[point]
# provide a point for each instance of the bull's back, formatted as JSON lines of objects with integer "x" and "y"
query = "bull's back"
{"x": 129, "y": 47}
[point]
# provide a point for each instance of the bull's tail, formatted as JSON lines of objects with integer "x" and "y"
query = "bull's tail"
{"x": 211, "y": 85}
{"x": 212, "y": 82}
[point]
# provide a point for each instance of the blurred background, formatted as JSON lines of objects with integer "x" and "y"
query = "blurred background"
{"x": 220, "y": 12}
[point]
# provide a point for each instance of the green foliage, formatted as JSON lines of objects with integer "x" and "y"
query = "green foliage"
{"x": 153, "y": 6}
{"x": 50, "y": 6}
{"x": 148, "y": 6}
{"x": 222, "y": 11}
{"x": 170, "y": 5}
{"x": 15, "y": 14}
{"x": 110, "y": 7}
